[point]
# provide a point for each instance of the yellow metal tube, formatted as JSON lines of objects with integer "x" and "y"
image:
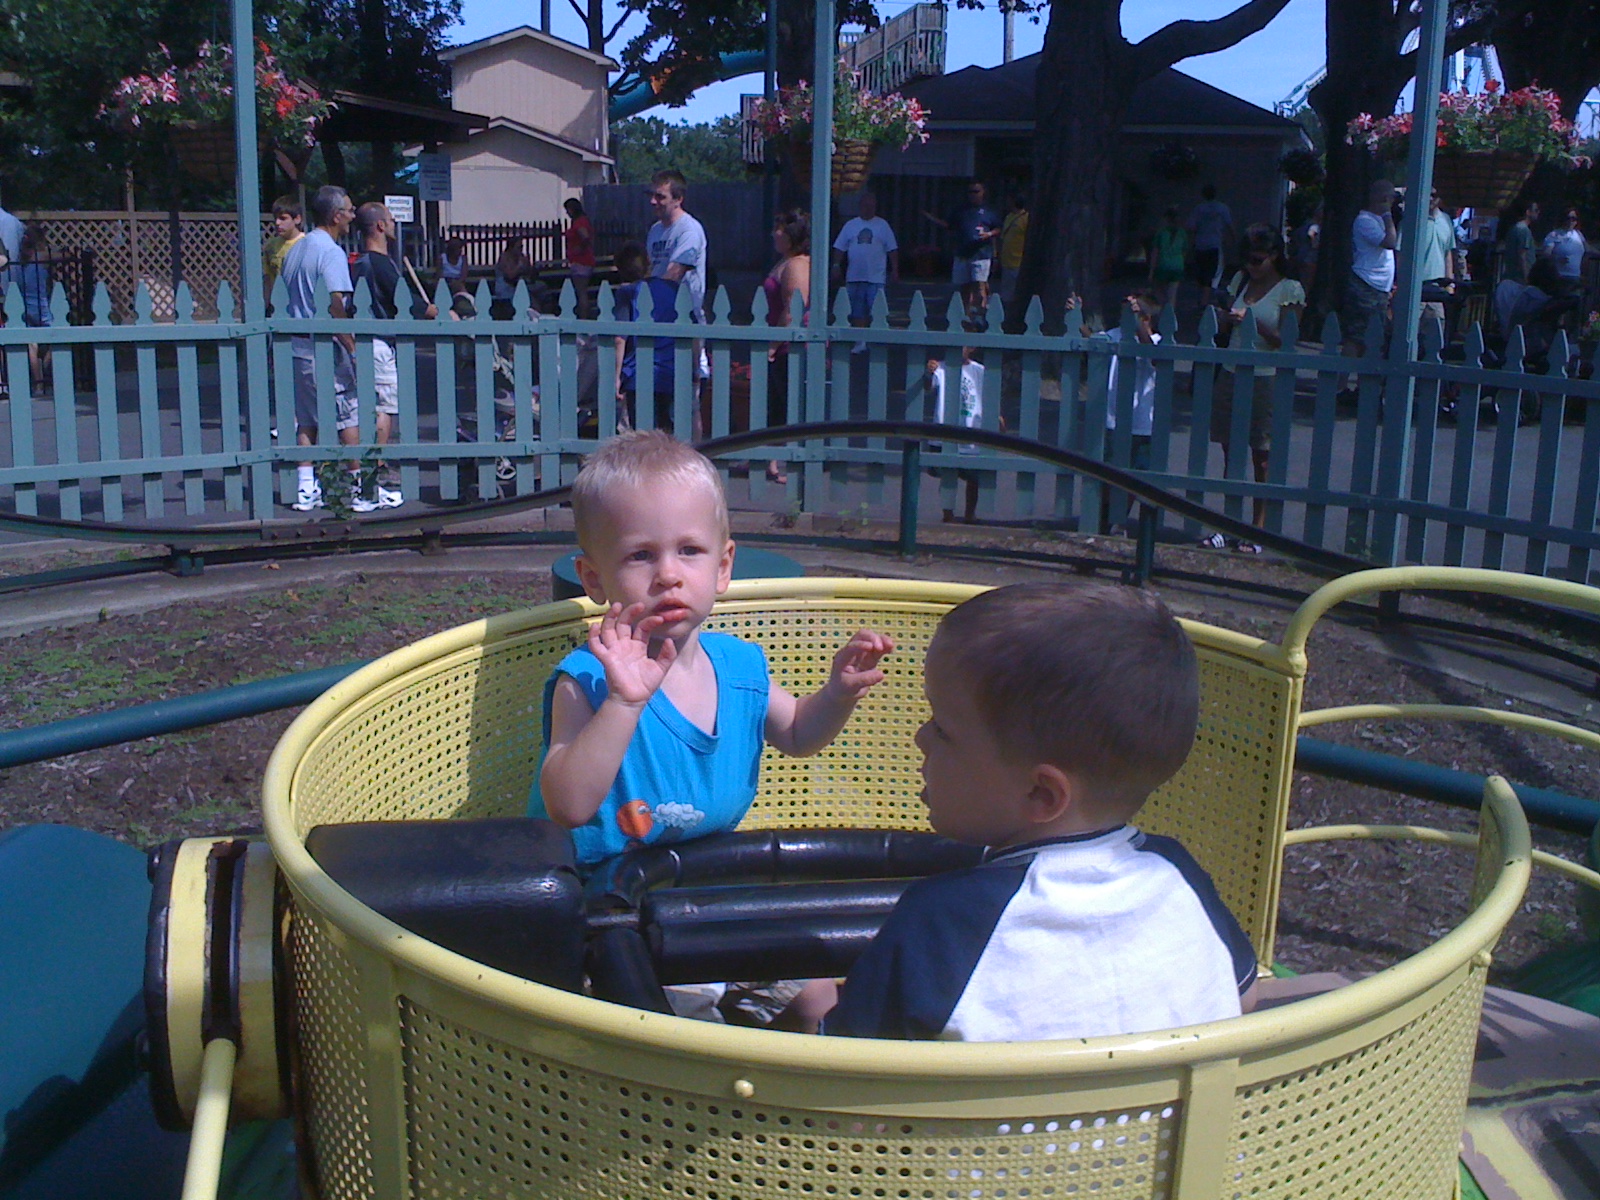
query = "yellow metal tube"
{"x": 1421, "y": 833}
{"x": 203, "y": 1172}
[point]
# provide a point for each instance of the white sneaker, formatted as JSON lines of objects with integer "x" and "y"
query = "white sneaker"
{"x": 309, "y": 498}
{"x": 389, "y": 497}
{"x": 360, "y": 504}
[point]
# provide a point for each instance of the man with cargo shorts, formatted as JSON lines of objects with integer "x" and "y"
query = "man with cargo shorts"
{"x": 319, "y": 258}
{"x": 976, "y": 226}
{"x": 375, "y": 226}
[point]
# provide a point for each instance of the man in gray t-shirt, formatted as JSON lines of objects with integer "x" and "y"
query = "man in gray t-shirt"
{"x": 676, "y": 245}
{"x": 677, "y": 242}
{"x": 319, "y": 258}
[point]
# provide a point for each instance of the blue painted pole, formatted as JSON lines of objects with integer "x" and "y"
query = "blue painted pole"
{"x": 1394, "y": 464}
{"x": 19, "y": 746}
{"x": 251, "y": 276}
{"x": 253, "y": 304}
{"x": 1461, "y": 789}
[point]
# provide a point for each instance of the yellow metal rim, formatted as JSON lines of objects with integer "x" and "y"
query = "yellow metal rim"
{"x": 1259, "y": 1032}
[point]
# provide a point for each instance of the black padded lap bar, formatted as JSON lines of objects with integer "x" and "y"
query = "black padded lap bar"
{"x": 776, "y": 902}
{"x": 503, "y": 892}
{"x": 799, "y": 947}
{"x": 775, "y": 855}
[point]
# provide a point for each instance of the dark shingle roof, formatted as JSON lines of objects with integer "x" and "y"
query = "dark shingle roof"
{"x": 1004, "y": 96}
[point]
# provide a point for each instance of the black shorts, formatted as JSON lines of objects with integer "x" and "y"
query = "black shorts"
{"x": 1208, "y": 268}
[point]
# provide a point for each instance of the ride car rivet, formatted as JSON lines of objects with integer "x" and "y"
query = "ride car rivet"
{"x": 743, "y": 1089}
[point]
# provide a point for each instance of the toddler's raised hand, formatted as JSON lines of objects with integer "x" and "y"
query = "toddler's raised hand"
{"x": 621, "y": 641}
{"x": 855, "y": 666}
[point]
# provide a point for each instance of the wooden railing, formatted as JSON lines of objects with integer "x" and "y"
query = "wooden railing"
{"x": 1481, "y": 459}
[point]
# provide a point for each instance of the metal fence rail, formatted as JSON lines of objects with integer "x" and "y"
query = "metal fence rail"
{"x": 160, "y": 423}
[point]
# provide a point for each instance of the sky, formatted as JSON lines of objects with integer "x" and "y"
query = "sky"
{"x": 1262, "y": 69}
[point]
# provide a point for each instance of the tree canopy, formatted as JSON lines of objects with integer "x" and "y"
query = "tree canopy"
{"x": 56, "y": 151}
{"x": 705, "y": 153}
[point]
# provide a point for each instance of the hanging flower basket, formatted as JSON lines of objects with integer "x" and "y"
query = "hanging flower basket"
{"x": 1480, "y": 178}
{"x": 194, "y": 104}
{"x": 862, "y": 121}
{"x": 852, "y": 164}
{"x": 1485, "y": 145}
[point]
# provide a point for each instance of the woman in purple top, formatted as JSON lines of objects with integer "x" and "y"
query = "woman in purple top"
{"x": 790, "y": 275}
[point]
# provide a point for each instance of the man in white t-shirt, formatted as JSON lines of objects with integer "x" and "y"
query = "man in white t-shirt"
{"x": 868, "y": 254}
{"x": 1566, "y": 247}
{"x": 319, "y": 257}
{"x": 1373, "y": 239}
{"x": 10, "y": 236}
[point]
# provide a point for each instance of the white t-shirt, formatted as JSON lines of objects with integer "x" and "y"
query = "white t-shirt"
{"x": 1373, "y": 262}
{"x": 1268, "y": 309}
{"x": 684, "y": 241}
{"x": 971, "y": 411}
{"x": 1144, "y": 389}
{"x": 866, "y": 246}
{"x": 10, "y": 235}
{"x": 1566, "y": 249}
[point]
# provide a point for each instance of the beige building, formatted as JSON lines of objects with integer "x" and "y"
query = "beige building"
{"x": 547, "y": 135}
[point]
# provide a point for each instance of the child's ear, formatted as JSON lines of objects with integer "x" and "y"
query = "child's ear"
{"x": 725, "y": 567}
{"x": 590, "y": 579}
{"x": 1053, "y": 795}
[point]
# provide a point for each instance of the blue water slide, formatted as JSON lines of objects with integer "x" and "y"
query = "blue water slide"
{"x": 643, "y": 93}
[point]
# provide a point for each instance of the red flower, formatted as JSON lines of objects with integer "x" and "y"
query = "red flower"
{"x": 1492, "y": 86}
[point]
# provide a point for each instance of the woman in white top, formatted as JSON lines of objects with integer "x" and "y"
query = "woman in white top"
{"x": 1566, "y": 247}
{"x": 1264, "y": 288}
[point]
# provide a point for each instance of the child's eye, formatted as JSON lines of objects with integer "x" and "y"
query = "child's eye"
{"x": 691, "y": 550}
{"x": 639, "y": 556}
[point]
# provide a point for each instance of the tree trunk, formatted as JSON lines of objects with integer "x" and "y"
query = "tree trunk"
{"x": 1079, "y": 103}
{"x": 1086, "y": 75}
{"x": 1364, "y": 75}
{"x": 1556, "y": 45}
{"x": 797, "y": 27}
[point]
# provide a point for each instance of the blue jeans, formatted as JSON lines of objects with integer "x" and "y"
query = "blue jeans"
{"x": 863, "y": 294}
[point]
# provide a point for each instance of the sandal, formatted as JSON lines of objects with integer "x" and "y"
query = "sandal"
{"x": 1214, "y": 541}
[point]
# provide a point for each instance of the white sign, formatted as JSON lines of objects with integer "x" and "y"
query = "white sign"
{"x": 433, "y": 176}
{"x": 402, "y": 208}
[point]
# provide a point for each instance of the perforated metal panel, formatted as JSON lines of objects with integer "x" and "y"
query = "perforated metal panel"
{"x": 329, "y": 1037}
{"x": 1383, "y": 1120}
{"x": 1229, "y": 803}
{"x": 562, "y": 1131}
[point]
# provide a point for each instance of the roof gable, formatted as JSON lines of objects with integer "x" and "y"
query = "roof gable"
{"x": 529, "y": 33}
{"x": 1004, "y": 95}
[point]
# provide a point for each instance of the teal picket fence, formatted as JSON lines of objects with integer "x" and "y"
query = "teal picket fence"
{"x": 186, "y": 424}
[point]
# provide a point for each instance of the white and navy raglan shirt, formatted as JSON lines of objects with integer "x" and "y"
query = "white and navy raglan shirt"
{"x": 1102, "y": 933}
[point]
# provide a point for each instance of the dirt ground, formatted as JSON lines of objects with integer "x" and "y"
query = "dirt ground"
{"x": 1346, "y": 906}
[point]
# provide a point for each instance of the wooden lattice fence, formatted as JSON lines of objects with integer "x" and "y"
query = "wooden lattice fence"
{"x": 130, "y": 246}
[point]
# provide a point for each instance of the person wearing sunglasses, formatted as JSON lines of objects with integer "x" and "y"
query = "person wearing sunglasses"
{"x": 1263, "y": 289}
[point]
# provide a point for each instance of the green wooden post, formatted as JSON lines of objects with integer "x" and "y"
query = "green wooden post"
{"x": 251, "y": 276}
{"x": 1400, "y": 389}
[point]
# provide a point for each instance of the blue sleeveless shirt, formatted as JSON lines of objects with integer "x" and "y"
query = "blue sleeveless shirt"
{"x": 676, "y": 781}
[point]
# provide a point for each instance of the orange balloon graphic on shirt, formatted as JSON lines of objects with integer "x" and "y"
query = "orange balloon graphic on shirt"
{"x": 634, "y": 819}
